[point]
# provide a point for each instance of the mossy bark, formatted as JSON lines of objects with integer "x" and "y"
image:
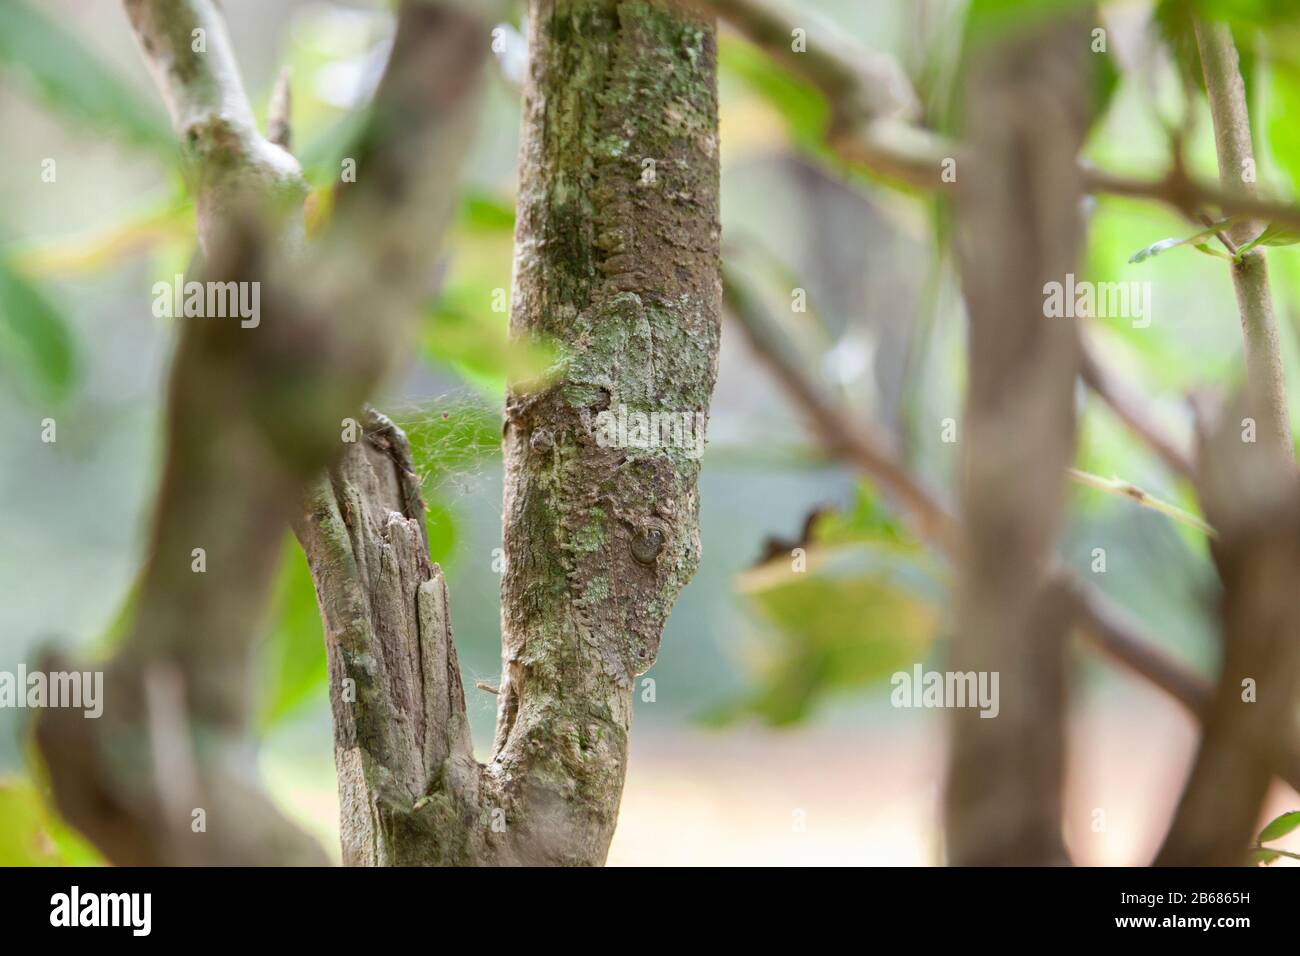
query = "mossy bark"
{"x": 617, "y": 264}
{"x": 617, "y": 261}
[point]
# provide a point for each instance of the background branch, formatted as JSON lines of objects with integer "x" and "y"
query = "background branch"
{"x": 1130, "y": 408}
{"x": 254, "y": 413}
{"x": 1265, "y": 378}
{"x": 1252, "y": 494}
{"x": 878, "y": 138}
{"x": 1104, "y": 625}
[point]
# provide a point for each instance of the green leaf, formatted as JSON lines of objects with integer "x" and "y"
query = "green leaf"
{"x": 1248, "y": 13}
{"x": 1209, "y": 250}
{"x": 465, "y": 332}
{"x": 993, "y": 20}
{"x": 856, "y": 605}
{"x": 484, "y": 212}
{"x": 34, "y": 336}
{"x": 1264, "y": 857}
{"x": 1280, "y": 826}
{"x": 31, "y": 835}
{"x": 1283, "y": 130}
{"x": 69, "y": 77}
{"x": 1273, "y": 235}
{"x": 797, "y": 101}
{"x": 856, "y": 616}
{"x": 293, "y": 657}
{"x": 1158, "y": 247}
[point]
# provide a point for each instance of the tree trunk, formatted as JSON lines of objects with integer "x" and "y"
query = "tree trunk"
{"x": 1019, "y": 228}
{"x": 617, "y": 263}
{"x": 251, "y": 419}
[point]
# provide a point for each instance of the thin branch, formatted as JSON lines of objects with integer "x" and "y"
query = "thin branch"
{"x": 858, "y": 83}
{"x": 855, "y": 442}
{"x": 1265, "y": 378}
{"x": 1260, "y": 848}
{"x": 870, "y": 137}
{"x": 1130, "y": 408}
{"x": 1124, "y": 489}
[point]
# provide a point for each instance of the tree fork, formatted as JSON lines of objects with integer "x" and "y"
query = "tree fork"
{"x": 616, "y": 263}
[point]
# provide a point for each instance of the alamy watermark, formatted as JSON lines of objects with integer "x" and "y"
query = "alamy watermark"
{"x": 634, "y": 429}
{"x": 1072, "y": 299}
{"x": 70, "y": 689}
{"x": 922, "y": 688}
{"x": 130, "y": 910}
{"x": 213, "y": 300}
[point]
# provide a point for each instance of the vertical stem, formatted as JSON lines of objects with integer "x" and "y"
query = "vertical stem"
{"x": 1265, "y": 378}
{"x": 1018, "y": 229}
{"x": 617, "y": 263}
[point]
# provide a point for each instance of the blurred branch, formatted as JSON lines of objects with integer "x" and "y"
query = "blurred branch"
{"x": 858, "y": 83}
{"x": 279, "y": 114}
{"x": 855, "y": 442}
{"x": 224, "y": 492}
{"x": 188, "y": 52}
{"x": 1226, "y": 92}
{"x": 864, "y": 134}
{"x": 1124, "y": 489}
{"x": 1012, "y": 614}
{"x": 253, "y": 412}
{"x": 1104, "y": 625}
{"x": 1130, "y": 408}
{"x": 1252, "y": 493}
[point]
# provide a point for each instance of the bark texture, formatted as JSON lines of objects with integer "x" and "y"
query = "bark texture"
{"x": 617, "y": 259}
{"x": 617, "y": 264}
{"x": 399, "y": 710}
{"x": 251, "y": 418}
{"x": 1018, "y": 229}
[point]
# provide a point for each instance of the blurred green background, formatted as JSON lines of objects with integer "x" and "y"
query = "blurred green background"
{"x": 770, "y": 737}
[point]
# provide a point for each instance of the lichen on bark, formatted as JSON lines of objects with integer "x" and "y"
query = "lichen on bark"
{"x": 617, "y": 263}
{"x": 617, "y": 266}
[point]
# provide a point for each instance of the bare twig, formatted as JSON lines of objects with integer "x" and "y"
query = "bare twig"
{"x": 1124, "y": 489}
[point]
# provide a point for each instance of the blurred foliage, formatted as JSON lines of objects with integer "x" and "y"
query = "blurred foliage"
{"x": 292, "y": 659}
{"x": 1275, "y": 829}
{"x": 31, "y": 835}
{"x": 868, "y": 602}
{"x": 1283, "y": 130}
{"x": 67, "y": 76}
{"x": 468, "y": 323}
{"x": 36, "y": 343}
{"x": 804, "y": 110}
{"x": 860, "y": 603}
